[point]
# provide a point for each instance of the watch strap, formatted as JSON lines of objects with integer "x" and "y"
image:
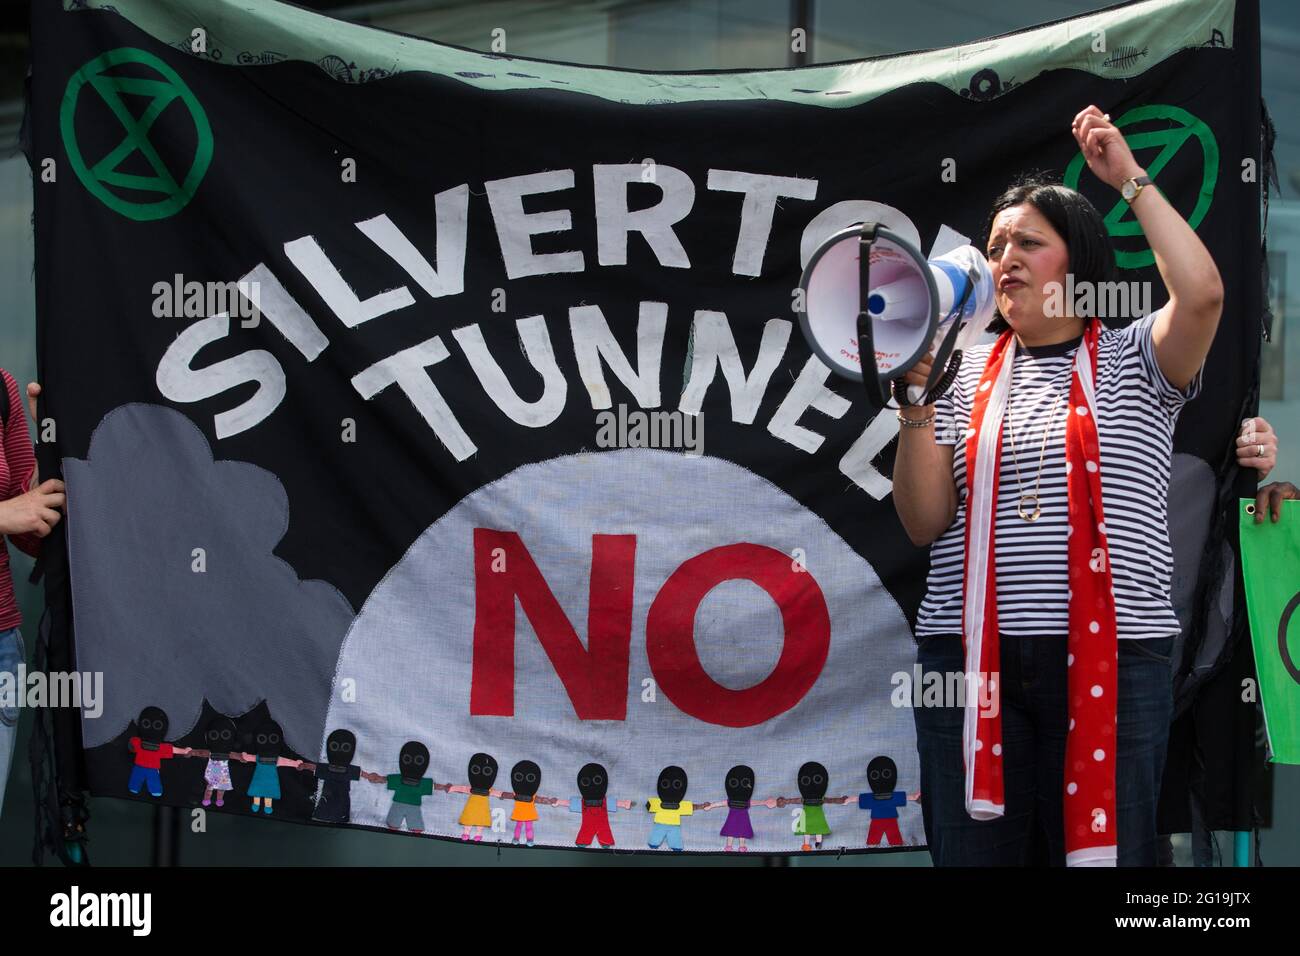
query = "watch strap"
{"x": 1138, "y": 183}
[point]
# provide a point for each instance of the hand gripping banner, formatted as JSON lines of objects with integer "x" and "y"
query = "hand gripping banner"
{"x": 517, "y": 509}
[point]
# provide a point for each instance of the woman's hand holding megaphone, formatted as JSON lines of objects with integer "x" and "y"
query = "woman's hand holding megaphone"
{"x": 918, "y": 375}
{"x": 925, "y": 491}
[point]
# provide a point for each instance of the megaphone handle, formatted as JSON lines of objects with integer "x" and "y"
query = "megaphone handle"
{"x": 877, "y": 395}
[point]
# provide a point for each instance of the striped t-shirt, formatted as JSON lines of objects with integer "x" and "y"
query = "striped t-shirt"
{"x": 1137, "y": 409}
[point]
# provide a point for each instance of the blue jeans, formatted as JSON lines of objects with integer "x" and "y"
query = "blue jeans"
{"x": 1034, "y": 723}
{"x": 145, "y": 777}
{"x": 666, "y": 831}
{"x": 12, "y": 653}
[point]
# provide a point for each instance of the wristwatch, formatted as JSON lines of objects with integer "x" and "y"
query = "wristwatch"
{"x": 1130, "y": 188}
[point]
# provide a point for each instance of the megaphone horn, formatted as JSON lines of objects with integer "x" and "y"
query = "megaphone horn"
{"x": 872, "y": 306}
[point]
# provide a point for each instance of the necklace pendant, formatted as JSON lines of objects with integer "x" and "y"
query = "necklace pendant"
{"x": 1023, "y": 508}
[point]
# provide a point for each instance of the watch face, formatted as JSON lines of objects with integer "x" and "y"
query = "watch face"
{"x": 1128, "y": 190}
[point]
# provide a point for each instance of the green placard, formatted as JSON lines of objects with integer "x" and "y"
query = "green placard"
{"x": 1270, "y": 561}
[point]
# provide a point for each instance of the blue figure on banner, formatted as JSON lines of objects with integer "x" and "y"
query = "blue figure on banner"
{"x": 884, "y": 802}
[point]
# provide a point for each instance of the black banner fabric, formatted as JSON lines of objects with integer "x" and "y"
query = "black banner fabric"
{"x": 418, "y": 494}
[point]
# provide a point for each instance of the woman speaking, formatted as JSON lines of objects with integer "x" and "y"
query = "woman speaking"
{"x": 1041, "y": 480}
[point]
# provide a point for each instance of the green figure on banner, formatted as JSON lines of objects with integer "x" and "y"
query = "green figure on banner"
{"x": 410, "y": 786}
{"x": 811, "y": 823}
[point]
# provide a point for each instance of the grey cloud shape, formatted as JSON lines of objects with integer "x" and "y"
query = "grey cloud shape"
{"x": 244, "y": 630}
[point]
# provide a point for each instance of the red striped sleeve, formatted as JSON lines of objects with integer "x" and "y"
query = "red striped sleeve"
{"x": 19, "y": 457}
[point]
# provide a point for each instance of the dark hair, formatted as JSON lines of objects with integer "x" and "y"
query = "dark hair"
{"x": 1076, "y": 220}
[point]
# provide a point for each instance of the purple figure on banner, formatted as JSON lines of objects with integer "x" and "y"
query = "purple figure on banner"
{"x": 739, "y": 786}
{"x": 219, "y": 736}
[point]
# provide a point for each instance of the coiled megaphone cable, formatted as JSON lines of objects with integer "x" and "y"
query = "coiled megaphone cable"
{"x": 939, "y": 389}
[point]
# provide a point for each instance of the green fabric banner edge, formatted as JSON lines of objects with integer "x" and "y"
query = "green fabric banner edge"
{"x": 261, "y": 32}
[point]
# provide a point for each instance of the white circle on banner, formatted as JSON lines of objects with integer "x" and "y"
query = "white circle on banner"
{"x": 1094, "y": 627}
{"x": 852, "y": 212}
{"x": 1096, "y": 690}
{"x": 1099, "y": 754}
{"x": 1069, "y": 661}
{"x": 970, "y": 433}
{"x": 1090, "y": 465}
{"x": 1071, "y": 723}
{"x": 1101, "y": 526}
{"x": 1071, "y": 788}
{"x": 997, "y": 750}
{"x": 979, "y": 744}
{"x": 671, "y": 503}
{"x": 1069, "y": 467}
{"x": 1082, "y": 410}
{"x": 986, "y": 386}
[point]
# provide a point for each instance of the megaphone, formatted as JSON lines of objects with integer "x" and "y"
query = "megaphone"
{"x": 872, "y": 306}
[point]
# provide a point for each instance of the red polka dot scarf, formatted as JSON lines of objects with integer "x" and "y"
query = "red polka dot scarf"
{"x": 1089, "y": 785}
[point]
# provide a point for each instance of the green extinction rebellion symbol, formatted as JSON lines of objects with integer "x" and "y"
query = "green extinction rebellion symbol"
{"x": 1182, "y": 128}
{"x": 104, "y": 176}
